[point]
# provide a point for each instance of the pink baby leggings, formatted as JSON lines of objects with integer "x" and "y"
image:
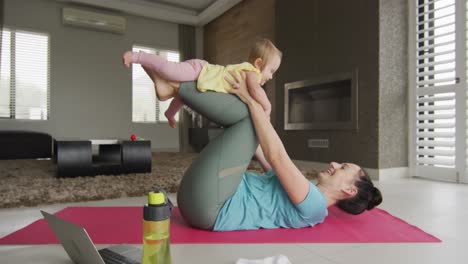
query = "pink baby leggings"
{"x": 172, "y": 71}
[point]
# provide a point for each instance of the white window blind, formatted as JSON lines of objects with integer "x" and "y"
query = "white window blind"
{"x": 146, "y": 106}
{"x": 24, "y": 85}
{"x": 435, "y": 83}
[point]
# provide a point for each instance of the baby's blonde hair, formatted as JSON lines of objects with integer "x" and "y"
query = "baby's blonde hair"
{"x": 264, "y": 49}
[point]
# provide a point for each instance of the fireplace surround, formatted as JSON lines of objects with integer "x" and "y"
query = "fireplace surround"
{"x": 324, "y": 103}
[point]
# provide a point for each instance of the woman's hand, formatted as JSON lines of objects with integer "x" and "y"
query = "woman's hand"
{"x": 240, "y": 87}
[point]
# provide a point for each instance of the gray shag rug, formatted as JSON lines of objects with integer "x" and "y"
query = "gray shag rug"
{"x": 33, "y": 182}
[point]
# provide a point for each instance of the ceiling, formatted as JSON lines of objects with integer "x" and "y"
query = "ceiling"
{"x": 194, "y": 5}
{"x": 189, "y": 12}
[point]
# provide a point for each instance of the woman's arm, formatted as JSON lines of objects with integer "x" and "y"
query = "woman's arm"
{"x": 291, "y": 178}
{"x": 261, "y": 159}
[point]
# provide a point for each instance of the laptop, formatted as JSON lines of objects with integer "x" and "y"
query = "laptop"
{"x": 81, "y": 250}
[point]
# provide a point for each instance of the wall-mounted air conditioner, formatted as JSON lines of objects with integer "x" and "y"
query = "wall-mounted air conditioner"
{"x": 94, "y": 20}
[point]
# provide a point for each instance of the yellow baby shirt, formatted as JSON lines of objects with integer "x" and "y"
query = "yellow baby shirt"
{"x": 211, "y": 77}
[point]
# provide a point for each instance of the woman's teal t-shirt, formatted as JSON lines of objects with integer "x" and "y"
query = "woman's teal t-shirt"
{"x": 260, "y": 201}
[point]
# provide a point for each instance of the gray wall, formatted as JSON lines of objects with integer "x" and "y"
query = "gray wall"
{"x": 318, "y": 38}
{"x": 91, "y": 94}
{"x": 393, "y": 70}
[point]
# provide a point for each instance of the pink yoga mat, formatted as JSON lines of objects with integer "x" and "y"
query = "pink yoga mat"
{"x": 115, "y": 225}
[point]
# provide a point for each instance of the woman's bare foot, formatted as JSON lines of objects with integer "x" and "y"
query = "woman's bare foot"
{"x": 127, "y": 59}
{"x": 164, "y": 89}
{"x": 149, "y": 72}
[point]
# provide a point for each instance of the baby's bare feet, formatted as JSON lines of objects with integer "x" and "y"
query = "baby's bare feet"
{"x": 127, "y": 59}
{"x": 171, "y": 120}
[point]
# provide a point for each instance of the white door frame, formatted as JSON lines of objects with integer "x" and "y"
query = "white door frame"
{"x": 460, "y": 172}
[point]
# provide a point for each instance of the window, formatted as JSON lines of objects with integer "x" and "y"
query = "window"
{"x": 438, "y": 89}
{"x": 146, "y": 107}
{"x": 24, "y": 75}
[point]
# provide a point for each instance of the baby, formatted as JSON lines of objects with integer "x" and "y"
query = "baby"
{"x": 264, "y": 61}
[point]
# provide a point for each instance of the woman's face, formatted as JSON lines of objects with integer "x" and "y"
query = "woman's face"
{"x": 340, "y": 177}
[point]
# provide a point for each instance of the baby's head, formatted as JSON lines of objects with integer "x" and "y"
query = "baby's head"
{"x": 266, "y": 58}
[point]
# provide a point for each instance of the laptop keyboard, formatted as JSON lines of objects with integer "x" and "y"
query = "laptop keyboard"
{"x": 110, "y": 257}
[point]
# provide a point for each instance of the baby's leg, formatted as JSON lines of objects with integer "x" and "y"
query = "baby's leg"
{"x": 172, "y": 71}
{"x": 174, "y": 107}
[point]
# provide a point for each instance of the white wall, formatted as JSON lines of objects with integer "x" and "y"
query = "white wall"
{"x": 91, "y": 93}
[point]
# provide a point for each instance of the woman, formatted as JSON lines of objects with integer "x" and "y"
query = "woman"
{"x": 216, "y": 192}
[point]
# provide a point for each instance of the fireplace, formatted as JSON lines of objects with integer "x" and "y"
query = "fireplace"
{"x": 325, "y": 103}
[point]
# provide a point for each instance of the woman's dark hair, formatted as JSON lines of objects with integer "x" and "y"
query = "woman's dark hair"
{"x": 366, "y": 198}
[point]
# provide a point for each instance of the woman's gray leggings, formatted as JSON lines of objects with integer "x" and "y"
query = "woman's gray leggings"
{"x": 218, "y": 170}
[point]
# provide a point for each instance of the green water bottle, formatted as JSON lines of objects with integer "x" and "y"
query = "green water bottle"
{"x": 156, "y": 219}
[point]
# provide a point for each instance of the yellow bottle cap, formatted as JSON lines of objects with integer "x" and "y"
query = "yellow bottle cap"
{"x": 156, "y": 198}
